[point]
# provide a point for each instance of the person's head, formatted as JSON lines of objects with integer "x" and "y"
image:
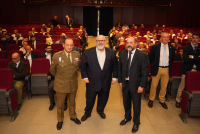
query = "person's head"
{"x": 195, "y": 38}
{"x": 43, "y": 25}
{"x": 4, "y": 32}
{"x": 121, "y": 39}
{"x": 176, "y": 41}
{"x": 148, "y": 32}
{"x": 58, "y": 25}
{"x": 142, "y": 25}
{"x": 42, "y": 29}
{"x": 80, "y": 31}
{"x": 141, "y": 45}
{"x": 189, "y": 38}
{"x": 28, "y": 49}
{"x": 156, "y": 25}
{"x": 116, "y": 32}
{"x": 17, "y": 34}
{"x": 178, "y": 34}
{"x": 164, "y": 37}
{"x": 62, "y": 37}
{"x": 120, "y": 34}
{"x": 81, "y": 27}
{"x": 119, "y": 24}
{"x": 113, "y": 28}
{"x": 25, "y": 43}
{"x": 25, "y": 39}
{"x": 68, "y": 44}
{"x": 155, "y": 37}
{"x": 33, "y": 38}
{"x": 124, "y": 24}
{"x": 51, "y": 26}
{"x": 48, "y": 48}
{"x": 129, "y": 34}
{"x": 131, "y": 44}
{"x": 15, "y": 57}
{"x": 173, "y": 44}
{"x": 15, "y": 31}
{"x": 71, "y": 29}
{"x": 163, "y": 26}
{"x": 137, "y": 33}
{"x": 33, "y": 29}
{"x": 159, "y": 31}
{"x": 67, "y": 17}
{"x": 180, "y": 51}
{"x": 30, "y": 33}
{"x": 171, "y": 31}
{"x": 154, "y": 31}
{"x": 55, "y": 17}
{"x": 100, "y": 42}
{"x": 148, "y": 40}
{"x": 7, "y": 36}
{"x": 181, "y": 32}
{"x": 135, "y": 27}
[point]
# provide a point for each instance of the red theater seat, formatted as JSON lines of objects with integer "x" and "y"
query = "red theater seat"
{"x": 2, "y": 54}
{"x": 58, "y": 47}
{"x": 12, "y": 47}
{"x": 3, "y": 63}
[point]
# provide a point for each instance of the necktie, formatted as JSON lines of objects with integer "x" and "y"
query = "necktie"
{"x": 128, "y": 65}
{"x": 195, "y": 49}
{"x": 15, "y": 65}
{"x": 164, "y": 56}
{"x": 68, "y": 58}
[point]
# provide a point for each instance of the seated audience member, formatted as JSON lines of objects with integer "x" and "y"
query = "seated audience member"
{"x": 69, "y": 22}
{"x": 118, "y": 26}
{"x": 129, "y": 35}
{"x": 142, "y": 26}
{"x": 153, "y": 32}
{"x": 48, "y": 34}
{"x": 81, "y": 28}
{"x": 24, "y": 39}
{"x": 3, "y": 35}
{"x": 148, "y": 35}
{"x": 52, "y": 29}
{"x": 135, "y": 28}
{"x": 62, "y": 38}
{"x": 189, "y": 34}
{"x": 119, "y": 44}
{"x": 180, "y": 56}
{"x": 189, "y": 40}
{"x": 147, "y": 53}
{"x": 141, "y": 46}
{"x": 83, "y": 39}
{"x": 30, "y": 34}
{"x": 154, "y": 40}
{"x": 172, "y": 33}
{"x": 33, "y": 31}
{"x": 34, "y": 41}
{"x": 159, "y": 31}
{"x": 43, "y": 27}
{"x": 181, "y": 33}
{"x": 7, "y": 41}
{"x": 48, "y": 54}
{"x": 120, "y": 34}
{"x": 18, "y": 38}
{"x": 71, "y": 30}
{"x": 148, "y": 43}
{"x": 113, "y": 37}
{"x": 59, "y": 27}
{"x": 178, "y": 36}
{"x": 124, "y": 31}
{"x": 20, "y": 71}
{"x": 42, "y": 31}
{"x": 112, "y": 31}
{"x": 54, "y": 21}
{"x": 176, "y": 45}
{"x": 156, "y": 27}
{"x": 29, "y": 55}
{"x": 25, "y": 43}
{"x": 125, "y": 26}
{"x": 132, "y": 26}
{"x": 138, "y": 34}
{"x": 14, "y": 34}
{"x": 1, "y": 29}
{"x": 163, "y": 28}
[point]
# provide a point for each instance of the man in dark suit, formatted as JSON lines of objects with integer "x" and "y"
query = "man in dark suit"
{"x": 54, "y": 21}
{"x": 69, "y": 22}
{"x": 133, "y": 67}
{"x": 30, "y": 34}
{"x": 29, "y": 55}
{"x": 161, "y": 57}
{"x": 20, "y": 71}
{"x": 34, "y": 42}
{"x": 98, "y": 66}
{"x": 191, "y": 57}
{"x": 180, "y": 56}
{"x": 8, "y": 41}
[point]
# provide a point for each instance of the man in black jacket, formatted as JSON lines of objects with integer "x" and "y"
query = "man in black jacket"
{"x": 132, "y": 78}
{"x": 20, "y": 71}
{"x": 8, "y": 41}
{"x": 191, "y": 57}
{"x": 54, "y": 21}
{"x": 161, "y": 57}
{"x": 180, "y": 56}
{"x": 99, "y": 71}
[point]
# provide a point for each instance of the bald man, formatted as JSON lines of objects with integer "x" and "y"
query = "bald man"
{"x": 20, "y": 71}
{"x": 99, "y": 71}
{"x": 69, "y": 22}
{"x": 132, "y": 78}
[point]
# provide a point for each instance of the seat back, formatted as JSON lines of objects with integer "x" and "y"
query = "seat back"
{"x": 6, "y": 78}
{"x": 2, "y": 55}
{"x": 28, "y": 65}
{"x": 192, "y": 81}
{"x": 41, "y": 47}
{"x": 12, "y": 47}
{"x": 58, "y": 47}
{"x": 1, "y": 47}
{"x": 9, "y": 56}
{"x": 77, "y": 43}
{"x": 3, "y": 63}
{"x": 40, "y": 66}
{"x": 176, "y": 66}
{"x": 37, "y": 52}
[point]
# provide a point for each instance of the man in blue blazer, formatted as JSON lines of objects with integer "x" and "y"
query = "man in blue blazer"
{"x": 99, "y": 71}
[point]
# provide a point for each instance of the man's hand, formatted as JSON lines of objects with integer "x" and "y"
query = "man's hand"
{"x": 13, "y": 76}
{"x": 113, "y": 82}
{"x": 86, "y": 81}
{"x": 190, "y": 56}
{"x": 120, "y": 84}
{"x": 27, "y": 54}
{"x": 140, "y": 89}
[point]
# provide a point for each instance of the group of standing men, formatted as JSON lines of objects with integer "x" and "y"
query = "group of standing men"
{"x": 69, "y": 22}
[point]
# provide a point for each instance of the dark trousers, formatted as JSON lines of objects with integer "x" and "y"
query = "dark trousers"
{"x": 90, "y": 100}
{"x": 136, "y": 98}
{"x": 51, "y": 93}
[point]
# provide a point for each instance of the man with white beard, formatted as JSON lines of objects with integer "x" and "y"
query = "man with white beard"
{"x": 99, "y": 71}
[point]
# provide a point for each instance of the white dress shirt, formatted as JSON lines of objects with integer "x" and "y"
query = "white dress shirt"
{"x": 34, "y": 44}
{"x": 161, "y": 54}
{"x": 133, "y": 52}
{"x": 29, "y": 58}
{"x": 17, "y": 64}
{"x": 48, "y": 57}
{"x": 193, "y": 46}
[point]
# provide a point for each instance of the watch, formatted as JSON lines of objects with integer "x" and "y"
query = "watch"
{"x": 192, "y": 57}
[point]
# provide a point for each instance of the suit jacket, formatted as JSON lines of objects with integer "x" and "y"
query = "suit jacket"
{"x": 65, "y": 72}
{"x": 43, "y": 55}
{"x": 33, "y": 55}
{"x": 90, "y": 68}
{"x": 4, "y": 43}
{"x": 178, "y": 58}
{"x": 154, "y": 58}
{"x": 138, "y": 70}
{"x": 21, "y": 72}
{"x": 189, "y": 63}
{"x": 71, "y": 22}
{"x": 37, "y": 42}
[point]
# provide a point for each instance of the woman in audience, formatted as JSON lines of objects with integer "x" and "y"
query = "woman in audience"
{"x": 42, "y": 31}
{"x": 153, "y": 32}
{"x": 126, "y": 27}
{"x": 133, "y": 26}
{"x": 118, "y": 26}
{"x": 33, "y": 31}
{"x": 62, "y": 38}
{"x": 142, "y": 26}
{"x": 172, "y": 33}
{"x": 148, "y": 35}
{"x": 154, "y": 40}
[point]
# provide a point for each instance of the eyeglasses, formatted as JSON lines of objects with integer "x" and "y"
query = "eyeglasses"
{"x": 100, "y": 40}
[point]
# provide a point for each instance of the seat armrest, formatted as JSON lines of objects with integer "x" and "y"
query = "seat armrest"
{"x": 9, "y": 92}
{"x": 27, "y": 78}
{"x": 49, "y": 77}
{"x": 188, "y": 94}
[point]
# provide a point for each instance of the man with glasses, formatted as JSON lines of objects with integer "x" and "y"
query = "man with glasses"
{"x": 99, "y": 71}
{"x": 20, "y": 71}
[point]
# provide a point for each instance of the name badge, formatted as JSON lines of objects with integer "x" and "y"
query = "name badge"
{"x": 60, "y": 59}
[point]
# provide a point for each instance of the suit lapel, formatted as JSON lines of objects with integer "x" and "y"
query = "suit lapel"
{"x": 64, "y": 57}
{"x": 191, "y": 49}
{"x": 106, "y": 56}
{"x": 126, "y": 58}
{"x": 159, "y": 51}
{"x": 95, "y": 57}
{"x": 170, "y": 54}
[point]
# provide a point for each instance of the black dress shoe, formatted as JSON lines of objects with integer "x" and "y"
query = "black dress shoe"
{"x": 19, "y": 106}
{"x": 163, "y": 105}
{"x": 65, "y": 107}
{"x": 84, "y": 117}
{"x": 76, "y": 120}
{"x": 124, "y": 121}
{"x": 150, "y": 104}
{"x": 51, "y": 106}
{"x": 135, "y": 128}
{"x": 103, "y": 116}
{"x": 59, "y": 125}
{"x": 177, "y": 104}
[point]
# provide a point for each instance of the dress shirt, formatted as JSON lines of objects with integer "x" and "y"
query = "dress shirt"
{"x": 48, "y": 57}
{"x": 17, "y": 64}
{"x": 133, "y": 52}
{"x": 69, "y": 54}
{"x": 161, "y": 55}
{"x": 193, "y": 46}
{"x": 28, "y": 57}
